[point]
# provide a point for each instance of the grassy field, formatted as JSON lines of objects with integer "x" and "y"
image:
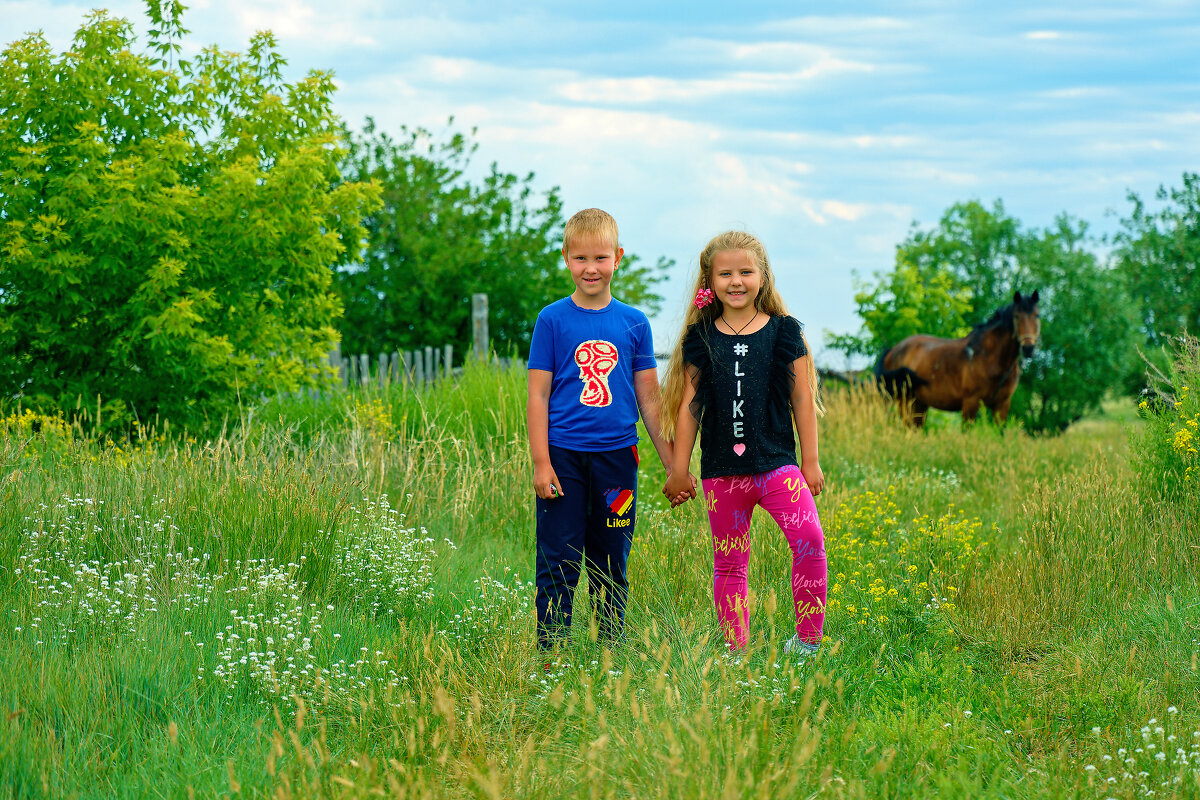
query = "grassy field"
{"x": 333, "y": 599}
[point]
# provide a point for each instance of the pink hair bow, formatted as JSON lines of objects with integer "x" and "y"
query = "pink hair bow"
{"x": 703, "y": 298}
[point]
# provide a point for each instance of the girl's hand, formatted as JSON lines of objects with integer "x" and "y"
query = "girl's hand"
{"x": 680, "y": 499}
{"x": 680, "y": 488}
{"x": 546, "y": 484}
{"x": 814, "y": 477}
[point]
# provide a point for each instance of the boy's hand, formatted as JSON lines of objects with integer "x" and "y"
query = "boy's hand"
{"x": 814, "y": 477}
{"x": 546, "y": 484}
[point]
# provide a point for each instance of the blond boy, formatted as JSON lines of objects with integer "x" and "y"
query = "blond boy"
{"x": 591, "y": 374}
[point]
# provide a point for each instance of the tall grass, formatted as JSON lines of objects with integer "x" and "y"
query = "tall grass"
{"x": 334, "y": 599}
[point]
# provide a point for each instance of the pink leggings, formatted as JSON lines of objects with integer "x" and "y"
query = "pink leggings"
{"x": 785, "y": 496}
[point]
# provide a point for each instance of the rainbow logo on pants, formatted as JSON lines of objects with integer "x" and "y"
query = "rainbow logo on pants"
{"x": 619, "y": 500}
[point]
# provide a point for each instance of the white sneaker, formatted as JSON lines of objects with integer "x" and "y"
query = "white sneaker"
{"x": 797, "y": 646}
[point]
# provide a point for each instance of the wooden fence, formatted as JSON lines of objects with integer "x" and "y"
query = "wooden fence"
{"x": 416, "y": 367}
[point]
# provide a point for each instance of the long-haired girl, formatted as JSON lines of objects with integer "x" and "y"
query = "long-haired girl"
{"x": 740, "y": 374}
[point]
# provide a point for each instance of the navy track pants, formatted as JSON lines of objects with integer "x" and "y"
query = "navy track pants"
{"x": 590, "y": 527}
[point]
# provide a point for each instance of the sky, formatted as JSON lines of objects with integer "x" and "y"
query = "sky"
{"x": 827, "y": 130}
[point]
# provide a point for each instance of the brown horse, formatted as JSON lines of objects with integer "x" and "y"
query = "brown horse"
{"x": 924, "y": 372}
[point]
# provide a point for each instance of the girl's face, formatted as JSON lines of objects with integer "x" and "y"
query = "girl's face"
{"x": 736, "y": 279}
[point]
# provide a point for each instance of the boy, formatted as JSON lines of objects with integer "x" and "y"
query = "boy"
{"x": 591, "y": 373}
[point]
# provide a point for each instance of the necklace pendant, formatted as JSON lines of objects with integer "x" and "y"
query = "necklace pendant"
{"x": 738, "y": 332}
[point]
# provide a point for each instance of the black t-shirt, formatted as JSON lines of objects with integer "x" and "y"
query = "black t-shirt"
{"x": 743, "y": 396}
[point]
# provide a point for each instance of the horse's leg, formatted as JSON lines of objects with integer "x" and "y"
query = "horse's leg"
{"x": 1000, "y": 412}
{"x": 919, "y": 411}
{"x": 970, "y": 408}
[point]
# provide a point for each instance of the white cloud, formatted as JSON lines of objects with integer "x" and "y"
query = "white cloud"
{"x": 869, "y": 141}
{"x": 302, "y": 23}
{"x": 769, "y": 51}
{"x": 817, "y": 141}
{"x": 1105, "y": 13}
{"x": 1079, "y": 93}
{"x": 1183, "y": 121}
{"x": 849, "y": 25}
{"x": 932, "y": 173}
{"x": 658, "y": 89}
{"x": 574, "y": 128}
{"x": 847, "y": 212}
{"x": 452, "y": 70}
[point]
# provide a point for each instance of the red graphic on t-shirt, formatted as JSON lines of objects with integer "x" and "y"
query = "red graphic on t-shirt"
{"x": 596, "y": 359}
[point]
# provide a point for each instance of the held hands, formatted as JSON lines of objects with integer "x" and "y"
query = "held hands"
{"x": 545, "y": 483}
{"x": 814, "y": 477}
{"x": 680, "y": 488}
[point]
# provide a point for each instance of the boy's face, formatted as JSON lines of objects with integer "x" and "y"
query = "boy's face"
{"x": 592, "y": 261}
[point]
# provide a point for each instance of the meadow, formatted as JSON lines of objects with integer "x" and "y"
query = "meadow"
{"x": 333, "y": 598}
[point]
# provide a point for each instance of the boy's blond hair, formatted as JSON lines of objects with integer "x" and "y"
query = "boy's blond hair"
{"x": 591, "y": 222}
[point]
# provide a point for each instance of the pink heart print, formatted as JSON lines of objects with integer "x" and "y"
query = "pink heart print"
{"x": 739, "y": 448}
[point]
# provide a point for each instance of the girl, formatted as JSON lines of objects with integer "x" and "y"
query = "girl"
{"x": 741, "y": 373}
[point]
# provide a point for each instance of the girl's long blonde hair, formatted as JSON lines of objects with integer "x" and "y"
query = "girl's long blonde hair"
{"x": 768, "y": 302}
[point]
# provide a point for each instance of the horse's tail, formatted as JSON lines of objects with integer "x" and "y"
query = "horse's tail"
{"x": 897, "y": 382}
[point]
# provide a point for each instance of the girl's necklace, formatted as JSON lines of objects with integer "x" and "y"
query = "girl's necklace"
{"x": 738, "y": 332}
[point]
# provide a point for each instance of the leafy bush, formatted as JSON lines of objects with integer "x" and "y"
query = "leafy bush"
{"x": 1167, "y": 450}
{"x": 168, "y": 227}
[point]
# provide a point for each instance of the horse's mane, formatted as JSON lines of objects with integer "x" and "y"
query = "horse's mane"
{"x": 1002, "y": 318}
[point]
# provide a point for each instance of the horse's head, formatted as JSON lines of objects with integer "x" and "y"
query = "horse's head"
{"x": 1027, "y": 325}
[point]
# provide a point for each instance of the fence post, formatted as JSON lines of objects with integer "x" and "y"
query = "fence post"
{"x": 479, "y": 326}
{"x": 419, "y": 372}
{"x": 406, "y": 364}
{"x": 383, "y": 370}
{"x": 335, "y": 361}
{"x": 449, "y": 361}
{"x": 428, "y": 363}
{"x": 394, "y": 367}
{"x": 364, "y": 369}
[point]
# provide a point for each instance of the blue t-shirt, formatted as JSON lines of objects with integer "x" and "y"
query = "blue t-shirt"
{"x": 593, "y": 355}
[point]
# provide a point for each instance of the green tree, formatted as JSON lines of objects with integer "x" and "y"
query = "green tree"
{"x": 1084, "y": 352}
{"x": 439, "y": 238}
{"x": 903, "y": 303}
{"x": 167, "y": 226}
{"x": 1158, "y": 256}
{"x": 979, "y": 247}
{"x": 969, "y": 265}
